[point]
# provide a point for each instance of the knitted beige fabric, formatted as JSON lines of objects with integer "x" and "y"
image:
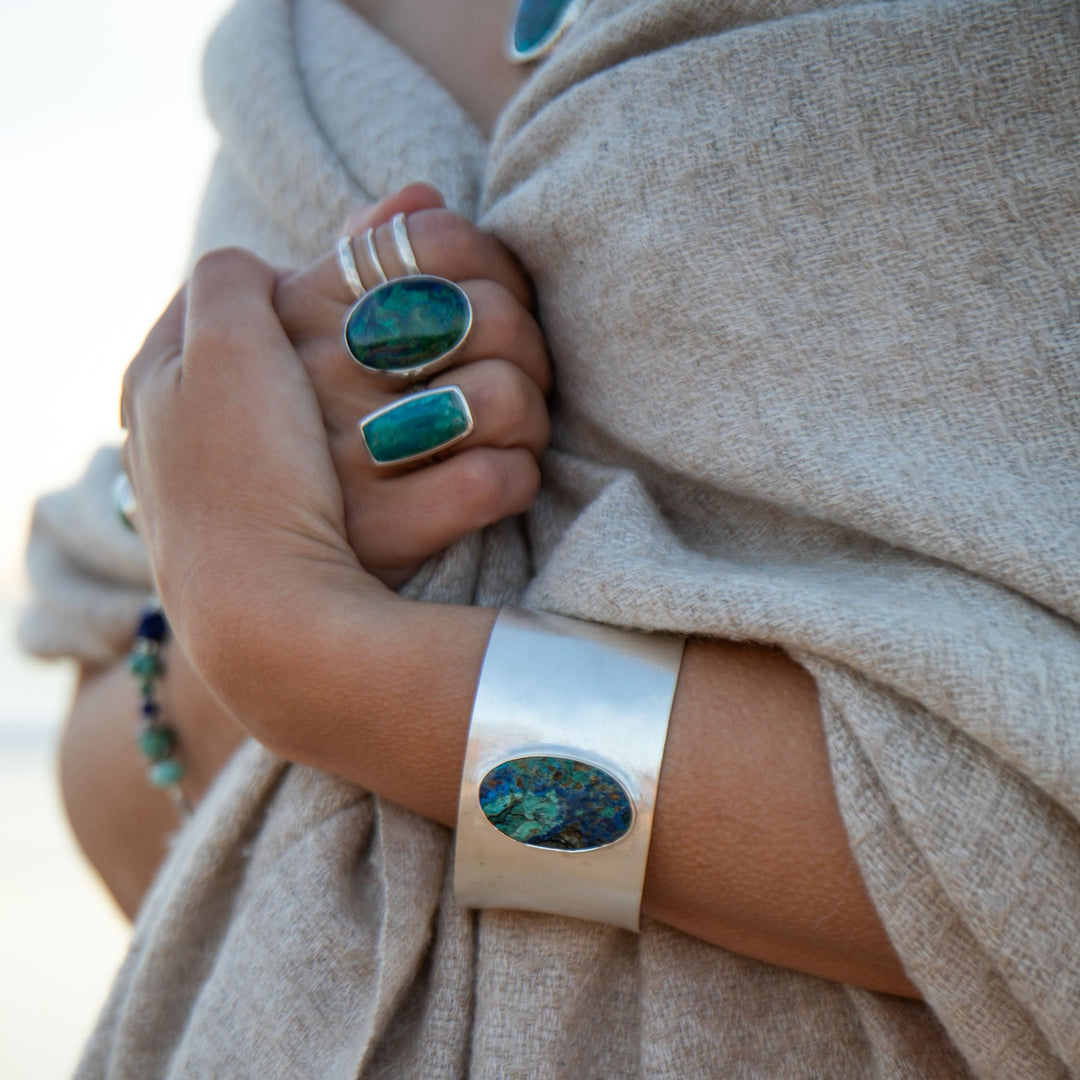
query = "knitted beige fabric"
{"x": 809, "y": 276}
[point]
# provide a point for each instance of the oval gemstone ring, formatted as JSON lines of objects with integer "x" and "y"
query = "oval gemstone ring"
{"x": 409, "y": 328}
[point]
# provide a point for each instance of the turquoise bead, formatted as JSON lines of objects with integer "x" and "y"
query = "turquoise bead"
{"x": 409, "y": 326}
{"x": 417, "y": 425}
{"x": 538, "y": 24}
{"x": 556, "y": 802}
{"x": 165, "y": 773}
{"x": 156, "y": 743}
{"x": 145, "y": 665}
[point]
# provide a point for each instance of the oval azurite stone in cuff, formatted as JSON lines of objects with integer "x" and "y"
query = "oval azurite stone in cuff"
{"x": 408, "y": 328}
{"x": 556, "y": 802}
{"x": 416, "y": 426}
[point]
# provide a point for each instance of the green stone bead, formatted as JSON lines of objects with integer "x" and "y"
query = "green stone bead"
{"x": 145, "y": 665}
{"x": 408, "y": 326}
{"x": 166, "y": 773}
{"x": 417, "y": 425}
{"x": 156, "y": 743}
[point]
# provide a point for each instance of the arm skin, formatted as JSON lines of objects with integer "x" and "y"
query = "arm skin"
{"x": 775, "y": 880}
{"x": 319, "y": 661}
{"x": 748, "y": 851}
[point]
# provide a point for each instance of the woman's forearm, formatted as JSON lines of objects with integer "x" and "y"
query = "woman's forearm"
{"x": 245, "y": 524}
{"x": 120, "y": 820}
{"x": 748, "y": 850}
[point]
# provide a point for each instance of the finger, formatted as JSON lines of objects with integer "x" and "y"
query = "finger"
{"x": 448, "y": 245}
{"x": 419, "y": 514}
{"x": 314, "y": 301}
{"x": 502, "y": 329}
{"x": 507, "y": 407}
{"x": 253, "y": 397}
{"x": 409, "y": 200}
{"x": 165, "y": 340}
{"x": 232, "y": 333}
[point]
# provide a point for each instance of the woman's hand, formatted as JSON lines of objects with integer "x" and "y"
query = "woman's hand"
{"x": 397, "y": 517}
{"x": 324, "y": 665}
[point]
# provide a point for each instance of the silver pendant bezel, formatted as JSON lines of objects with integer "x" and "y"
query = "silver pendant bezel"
{"x": 568, "y": 17}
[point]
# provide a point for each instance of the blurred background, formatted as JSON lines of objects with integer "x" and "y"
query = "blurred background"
{"x": 105, "y": 147}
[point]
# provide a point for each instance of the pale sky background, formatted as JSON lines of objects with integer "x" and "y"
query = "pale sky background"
{"x": 104, "y": 150}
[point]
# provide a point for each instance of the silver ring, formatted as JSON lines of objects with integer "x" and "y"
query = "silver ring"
{"x": 417, "y": 426}
{"x": 123, "y": 496}
{"x": 403, "y": 246}
{"x": 373, "y": 255}
{"x": 349, "y": 271}
{"x": 409, "y": 328}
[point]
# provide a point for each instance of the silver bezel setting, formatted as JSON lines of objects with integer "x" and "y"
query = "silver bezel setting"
{"x": 454, "y": 389}
{"x": 527, "y": 56}
{"x": 588, "y": 692}
{"x": 417, "y": 372}
{"x": 373, "y": 256}
{"x": 399, "y": 229}
{"x": 349, "y": 270}
{"x": 570, "y": 753}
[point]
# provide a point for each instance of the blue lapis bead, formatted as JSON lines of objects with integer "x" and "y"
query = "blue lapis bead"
{"x": 152, "y": 626}
{"x": 150, "y": 709}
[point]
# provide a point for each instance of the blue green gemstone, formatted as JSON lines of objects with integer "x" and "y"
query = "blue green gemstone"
{"x": 417, "y": 425}
{"x": 408, "y": 324}
{"x": 538, "y": 23}
{"x": 146, "y": 665}
{"x": 164, "y": 774}
{"x": 156, "y": 743}
{"x": 556, "y": 802}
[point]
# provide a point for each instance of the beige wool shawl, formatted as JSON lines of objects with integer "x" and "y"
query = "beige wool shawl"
{"x": 809, "y": 274}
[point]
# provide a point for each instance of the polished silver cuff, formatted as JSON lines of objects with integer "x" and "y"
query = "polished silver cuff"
{"x": 561, "y": 769}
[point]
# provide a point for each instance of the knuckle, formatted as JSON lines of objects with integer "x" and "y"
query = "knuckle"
{"x": 504, "y": 393}
{"x": 507, "y": 319}
{"x": 443, "y": 230}
{"x": 482, "y": 482}
{"x": 127, "y": 397}
{"x": 495, "y": 483}
{"x": 223, "y": 265}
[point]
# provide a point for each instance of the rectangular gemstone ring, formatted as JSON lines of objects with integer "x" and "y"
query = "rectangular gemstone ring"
{"x": 416, "y": 426}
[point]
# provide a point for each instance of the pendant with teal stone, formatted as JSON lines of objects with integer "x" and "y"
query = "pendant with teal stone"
{"x": 556, "y": 802}
{"x": 409, "y": 328}
{"x": 538, "y": 25}
{"x": 417, "y": 426}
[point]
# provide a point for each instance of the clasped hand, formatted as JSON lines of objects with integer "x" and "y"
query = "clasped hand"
{"x": 253, "y": 484}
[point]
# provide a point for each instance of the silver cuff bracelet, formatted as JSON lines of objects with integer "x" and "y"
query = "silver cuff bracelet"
{"x": 561, "y": 768}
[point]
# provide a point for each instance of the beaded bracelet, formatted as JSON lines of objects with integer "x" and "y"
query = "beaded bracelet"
{"x": 156, "y": 740}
